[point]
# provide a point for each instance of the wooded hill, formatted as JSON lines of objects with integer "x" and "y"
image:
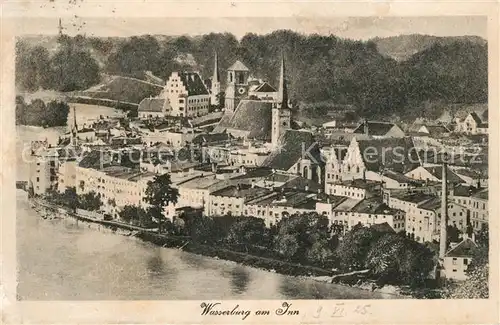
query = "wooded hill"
{"x": 320, "y": 68}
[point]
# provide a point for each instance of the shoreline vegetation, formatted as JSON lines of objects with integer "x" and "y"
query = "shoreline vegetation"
{"x": 355, "y": 279}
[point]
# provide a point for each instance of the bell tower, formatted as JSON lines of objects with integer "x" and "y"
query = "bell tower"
{"x": 281, "y": 113}
{"x": 237, "y": 85}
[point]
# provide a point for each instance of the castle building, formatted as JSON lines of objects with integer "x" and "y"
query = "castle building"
{"x": 281, "y": 114}
{"x": 237, "y": 85}
{"x": 215, "y": 84}
{"x": 187, "y": 94}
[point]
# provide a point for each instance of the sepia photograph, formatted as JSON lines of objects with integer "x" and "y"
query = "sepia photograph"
{"x": 222, "y": 161}
{"x": 346, "y": 163}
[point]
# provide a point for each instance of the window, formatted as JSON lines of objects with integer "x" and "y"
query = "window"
{"x": 465, "y": 261}
{"x": 454, "y": 261}
{"x": 454, "y": 270}
{"x": 38, "y": 179}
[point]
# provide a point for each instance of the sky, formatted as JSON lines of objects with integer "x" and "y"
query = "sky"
{"x": 361, "y": 28}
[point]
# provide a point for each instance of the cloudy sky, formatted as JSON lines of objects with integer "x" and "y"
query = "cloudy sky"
{"x": 353, "y": 27}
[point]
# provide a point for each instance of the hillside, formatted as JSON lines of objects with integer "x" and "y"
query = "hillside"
{"x": 325, "y": 73}
{"x": 402, "y": 47}
{"x": 123, "y": 89}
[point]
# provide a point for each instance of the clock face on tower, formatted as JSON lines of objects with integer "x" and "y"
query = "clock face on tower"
{"x": 241, "y": 90}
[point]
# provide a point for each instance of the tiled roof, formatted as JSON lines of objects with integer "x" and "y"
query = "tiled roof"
{"x": 467, "y": 172}
{"x": 436, "y": 130}
{"x": 383, "y": 227}
{"x": 481, "y": 195}
{"x": 238, "y": 66}
{"x": 152, "y": 105}
{"x": 375, "y": 128}
{"x": 193, "y": 83}
{"x": 211, "y": 138}
{"x": 252, "y": 118}
{"x": 291, "y": 144}
{"x": 463, "y": 249}
{"x": 265, "y": 88}
{"x": 476, "y": 117}
{"x": 431, "y": 205}
{"x": 398, "y": 177}
{"x": 437, "y": 171}
{"x": 95, "y": 159}
{"x": 397, "y": 154}
{"x": 462, "y": 190}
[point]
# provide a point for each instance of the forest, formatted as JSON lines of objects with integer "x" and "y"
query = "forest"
{"x": 320, "y": 68}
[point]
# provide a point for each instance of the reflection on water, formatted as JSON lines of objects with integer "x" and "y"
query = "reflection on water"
{"x": 240, "y": 279}
{"x": 61, "y": 260}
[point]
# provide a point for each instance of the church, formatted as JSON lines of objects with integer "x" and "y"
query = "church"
{"x": 256, "y": 118}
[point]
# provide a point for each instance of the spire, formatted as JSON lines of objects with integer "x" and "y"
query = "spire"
{"x": 282, "y": 92}
{"x": 216, "y": 77}
{"x": 60, "y": 27}
{"x": 74, "y": 119}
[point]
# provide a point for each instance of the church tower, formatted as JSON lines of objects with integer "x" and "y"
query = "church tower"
{"x": 60, "y": 27}
{"x": 281, "y": 114}
{"x": 215, "y": 90}
{"x": 237, "y": 85}
{"x": 74, "y": 130}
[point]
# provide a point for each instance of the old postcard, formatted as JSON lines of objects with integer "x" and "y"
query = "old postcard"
{"x": 271, "y": 162}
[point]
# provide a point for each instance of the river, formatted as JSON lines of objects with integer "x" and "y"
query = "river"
{"x": 67, "y": 260}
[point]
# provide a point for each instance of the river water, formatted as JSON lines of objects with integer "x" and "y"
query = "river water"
{"x": 67, "y": 260}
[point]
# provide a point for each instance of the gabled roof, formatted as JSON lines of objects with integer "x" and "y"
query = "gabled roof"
{"x": 437, "y": 171}
{"x": 475, "y": 117}
{"x": 481, "y": 194}
{"x": 152, "y": 105}
{"x": 397, "y": 154}
{"x": 290, "y": 150}
{"x": 252, "y": 118}
{"x": 238, "y": 66}
{"x": 463, "y": 249}
{"x": 265, "y": 88}
{"x": 436, "y": 130}
{"x": 193, "y": 83}
{"x": 375, "y": 128}
{"x": 383, "y": 227}
{"x": 211, "y": 138}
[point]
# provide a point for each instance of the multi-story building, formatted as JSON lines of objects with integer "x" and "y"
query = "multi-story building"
{"x": 356, "y": 189}
{"x": 231, "y": 200}
{"x": 476, "y": 202}
{"x": 275, "y": 206}
{"x": 187, "y": 94}
{"x": 43, "y": 170}
{"x": 471, "y": 124}
{"x": 458, "y": 259}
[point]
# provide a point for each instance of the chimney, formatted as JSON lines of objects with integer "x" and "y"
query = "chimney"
{"x": 214, "y": 168}
{"x": 365, "y": 127}
{"x": 444, "y": 214}
{"x": 479, "y": 184}
{"x": 306, "y": 188}
{"x": 253, "y": 183}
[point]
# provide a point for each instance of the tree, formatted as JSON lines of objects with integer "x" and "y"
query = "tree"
{"x": 70, "y": 198}
{"x": 160, "y": 194}
{"x": 134, "y": 56}
{"x": 73, "y": 69}
{"x": 354, "y": 247}
{"x": 395, "y": 259}
{"x": 247, "y": 231}
{"x": 90, "y": 201}
{"x": 57, "y": 113}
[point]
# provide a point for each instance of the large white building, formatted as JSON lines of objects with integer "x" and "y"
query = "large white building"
{"x": 187, "y": 94}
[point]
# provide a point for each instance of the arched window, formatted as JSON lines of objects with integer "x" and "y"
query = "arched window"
{"x": 357, "y": 169}
{"x": 241, "y": 78}
{"x": 305, "y": 172}
{"x": 230, "y": 77}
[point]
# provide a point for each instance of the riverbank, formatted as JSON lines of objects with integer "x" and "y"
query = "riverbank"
{"x": 184, "y": 243}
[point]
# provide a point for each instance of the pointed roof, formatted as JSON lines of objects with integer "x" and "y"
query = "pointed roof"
{"x": 216, "y": 76}
{"x": 238, "y": 66}
{"x": 265, "y": 88}
{"x": 463, "y": 249}
{"x": 282, "y": 91}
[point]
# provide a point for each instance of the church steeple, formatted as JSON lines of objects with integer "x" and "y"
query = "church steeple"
{"x": 216, "y": 76}
{"x": 282, "y": 91}
{"x": 281, "y": 114}
{"x": 74, "y": 129}
{"x": 215, "y": 87}
{"x": 60, "y": 27}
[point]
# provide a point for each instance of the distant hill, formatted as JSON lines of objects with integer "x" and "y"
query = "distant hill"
{"x": 403, "y": 47}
